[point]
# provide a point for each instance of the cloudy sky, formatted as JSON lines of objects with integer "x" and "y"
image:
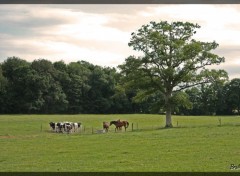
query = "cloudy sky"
{"x": 100, "y": 34}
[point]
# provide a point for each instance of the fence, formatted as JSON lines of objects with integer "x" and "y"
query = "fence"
{"x": 136, "y": 126}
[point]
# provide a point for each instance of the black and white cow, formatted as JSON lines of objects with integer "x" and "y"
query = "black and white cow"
{"x": 68, "y": 126}
{"x": 53, "y": 126}
{"x": 60, "y": 127}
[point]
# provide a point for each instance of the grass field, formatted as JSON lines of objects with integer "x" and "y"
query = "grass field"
{"x": 195, "y": 144}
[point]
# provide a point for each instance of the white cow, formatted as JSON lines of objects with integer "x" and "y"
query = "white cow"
{"x": 76, "y": 126}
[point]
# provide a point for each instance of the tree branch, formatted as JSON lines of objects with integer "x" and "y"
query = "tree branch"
{"x": 188, "y": 86}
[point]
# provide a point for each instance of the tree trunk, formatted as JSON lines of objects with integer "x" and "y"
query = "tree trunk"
{"x": 169, "y": 118}
{"x": 168, "y": 111}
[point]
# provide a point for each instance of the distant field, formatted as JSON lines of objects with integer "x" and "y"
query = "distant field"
{"x": 195, "y": 144}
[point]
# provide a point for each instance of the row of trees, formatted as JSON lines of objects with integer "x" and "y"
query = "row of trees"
{"x": 45, "y": 87}
{"x": 80, "y": 87}
{"x": 221, "y": 98}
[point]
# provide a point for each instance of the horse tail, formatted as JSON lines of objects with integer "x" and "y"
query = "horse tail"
{"x": 127, "y": 124}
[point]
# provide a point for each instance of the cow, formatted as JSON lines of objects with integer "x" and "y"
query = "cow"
{"x": 68, "y": 126}
{"x": 60, "y": 127}
{"x": 76, "y": 126}
{"x": 53, "y": 126}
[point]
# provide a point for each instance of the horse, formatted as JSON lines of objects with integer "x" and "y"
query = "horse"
{"x": 115, "y": 123}
{"x": 106, "y": 126}
{"x": 119, "y": 124}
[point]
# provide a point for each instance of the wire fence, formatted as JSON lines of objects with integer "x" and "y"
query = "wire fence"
{"x": 136, "y": 126}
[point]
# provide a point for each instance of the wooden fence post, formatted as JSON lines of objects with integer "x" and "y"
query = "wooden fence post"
{"x": 220, "y": 121}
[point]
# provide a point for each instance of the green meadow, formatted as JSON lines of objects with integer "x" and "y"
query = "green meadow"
{"x": 195, "y": 144}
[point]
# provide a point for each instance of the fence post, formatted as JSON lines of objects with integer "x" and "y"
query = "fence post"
{"x": 220, "y": 121}
{"x": 132, "y": 126}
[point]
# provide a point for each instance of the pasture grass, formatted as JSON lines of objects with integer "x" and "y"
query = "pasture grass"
{"x": 195, "y": 144}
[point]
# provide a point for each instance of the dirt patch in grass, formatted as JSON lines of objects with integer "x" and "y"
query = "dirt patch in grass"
{"x": 18, "y": 137}
{"x": 8, "y": 137}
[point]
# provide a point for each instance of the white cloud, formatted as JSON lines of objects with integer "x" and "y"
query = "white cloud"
{"x": 100, "y": 33}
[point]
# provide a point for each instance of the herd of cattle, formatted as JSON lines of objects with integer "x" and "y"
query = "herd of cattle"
{"x": 68, "y": 127}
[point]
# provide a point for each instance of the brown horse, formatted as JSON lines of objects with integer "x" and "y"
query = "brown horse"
{"x": 119, "y": 124}
{"x": 106, "y": 126}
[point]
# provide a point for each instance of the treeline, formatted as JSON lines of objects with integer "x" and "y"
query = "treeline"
{"x": 45, "y": 87}
{"x": 81, "y": 87}
{"x": 217, "y": 98}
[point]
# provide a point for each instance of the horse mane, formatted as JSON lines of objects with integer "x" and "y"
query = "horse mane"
{"x": 113, "y": 122}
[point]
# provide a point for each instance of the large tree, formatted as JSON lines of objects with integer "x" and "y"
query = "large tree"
{"x": 172, "y": 60}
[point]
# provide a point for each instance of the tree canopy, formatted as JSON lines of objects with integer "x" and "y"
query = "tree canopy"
{"x": 24, "y": 89}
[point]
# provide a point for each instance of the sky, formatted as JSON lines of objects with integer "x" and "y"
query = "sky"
{"x": 100, "y": 34}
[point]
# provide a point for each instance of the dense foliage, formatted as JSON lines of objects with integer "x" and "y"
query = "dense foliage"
{"x": 46, "y": 87}
{"x": 81, "y": 87}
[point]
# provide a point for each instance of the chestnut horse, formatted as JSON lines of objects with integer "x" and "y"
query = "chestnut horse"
{"x": 119, "y": 124}
{"x": 106, "y": 126}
